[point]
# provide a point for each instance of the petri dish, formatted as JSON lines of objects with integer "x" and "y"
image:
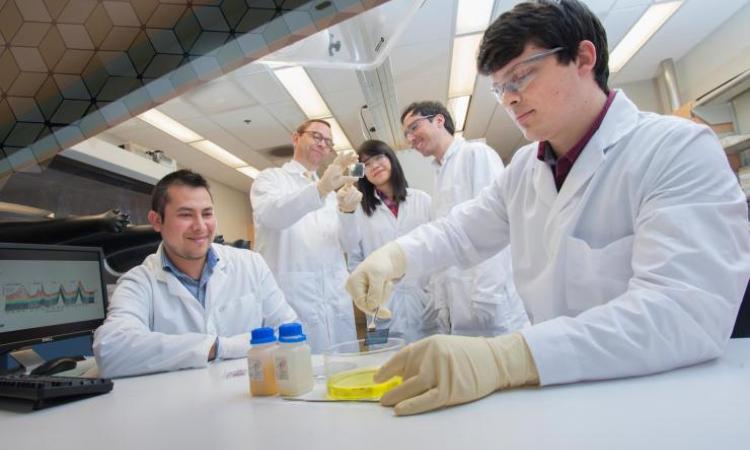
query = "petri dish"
{"x": 358, "y": 384}
{"x": 350, "y": 367}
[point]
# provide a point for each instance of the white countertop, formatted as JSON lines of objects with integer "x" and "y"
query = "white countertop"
{"x": 700, "y": 407}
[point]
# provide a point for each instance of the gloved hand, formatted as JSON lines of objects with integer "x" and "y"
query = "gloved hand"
{"x": 450, "y": 370}
{"x": 348, "y": 197}
{"x": 371, "y": 283}
{"x": 333, "y": 177}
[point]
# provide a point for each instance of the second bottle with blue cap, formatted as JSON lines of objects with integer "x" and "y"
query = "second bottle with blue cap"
{"x": 293, "y": 362}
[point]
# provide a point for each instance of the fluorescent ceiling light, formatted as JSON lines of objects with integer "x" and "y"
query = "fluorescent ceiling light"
{"x": 219, "y": 154}
{"x": 464, "y": 65}
{"x": 647, "y": 25}
{"x": 250, "y": 171}
{"x": 340, "y": 141}
{"x": 459, "y": 107}
{"x": 303, "y": 91}
{"x": 170, "y": 126}
{"x": 473, "y": 16}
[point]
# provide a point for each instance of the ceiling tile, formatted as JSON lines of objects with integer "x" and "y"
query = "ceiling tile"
{"x": 286, "y": 113}
{"x": 71, "y": 87}
{"x": 218, "y": 96}
{"x": 73, "y": 61}
{"x": 77, "y": 11}
{"x": 122, "y": 14}
{"x": 210, "y": 18}
{"x": 28, "y": 84}
{"x": 10, "y": 20}
{"x": 117, "y": 87}
{"x": 30, "y": 34}
{"x": 619, "y": 21}
{"x": 6, "y": 119}
{"x": 263, "y": 87}
{"x": 161, "y": 64}
{"x": 141, "y": 52}
{"x": 33, "y": 11}
{"x": 98, "y": 25}
{"x": 207, "y": 42}
{"x": 25, "y": 109}
{"x": 75, "y": 36}
{"x": 233, "y": 10}
{"x": 165, "y": 16}
{"x": 117, "y": 64}
{"x": 70, "y": 110}
{"x": 52, "y": 47}
{"x": 187, "y": 29}
{"x": 120, "y": 38}
{"x": 144, "y": 8}
{"x": 254, "y": 19}
{"x": 55, "y": 7}
{"x": 164, "y": 41}
{"x": 28, "y": 59}
{"x": 48, "y": 98}
{"x": 23, "y": 134}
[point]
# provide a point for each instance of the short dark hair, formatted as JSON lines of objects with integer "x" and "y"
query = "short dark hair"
{"x": 547, "y": 24}
{"x": 183, "y": 177}
{"x": 370, "y": 200}
{"x": 303, "y": 126}
{"x": 428, "y": 109}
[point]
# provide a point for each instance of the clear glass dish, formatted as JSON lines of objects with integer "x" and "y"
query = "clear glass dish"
{"x": 350, "y": 366}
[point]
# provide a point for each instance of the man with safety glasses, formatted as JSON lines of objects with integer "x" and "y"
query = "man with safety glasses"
{"x": 481, "y": 300}
{"x": 296, "y": 231}
{"x": 629, "y": 230}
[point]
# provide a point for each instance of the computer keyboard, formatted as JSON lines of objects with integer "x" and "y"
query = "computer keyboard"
{"x": 45, "y": 391}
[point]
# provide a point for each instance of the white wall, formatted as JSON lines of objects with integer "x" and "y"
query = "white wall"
{"x": 644, "y": 94}
{"x": 232, "y": 209}
{"x": 719, "y": 57}
{"x": 418, "y": 170}
{"x": 742, "y": 112}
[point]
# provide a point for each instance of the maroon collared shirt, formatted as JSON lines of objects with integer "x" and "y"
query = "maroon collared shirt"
{"x": 391, "y": 204}
{"x": 561, "y": 166}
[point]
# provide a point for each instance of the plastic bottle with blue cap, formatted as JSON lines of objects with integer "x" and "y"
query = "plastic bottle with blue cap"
{"x": 260, "y": 363}
{"x": 293, "y": 361}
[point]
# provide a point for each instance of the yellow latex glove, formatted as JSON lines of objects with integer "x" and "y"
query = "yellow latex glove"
{"x": 348, "y": 197}
{"x": 450, "y": 370}
{"x": 371, "y": 283}
{"x": 333, "y": 177}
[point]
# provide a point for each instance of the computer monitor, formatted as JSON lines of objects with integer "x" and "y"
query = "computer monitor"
{"x": 48, "y": 292}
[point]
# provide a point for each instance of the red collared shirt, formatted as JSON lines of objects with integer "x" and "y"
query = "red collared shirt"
{"x": 391, "y": 204}
{"x": 561, "y": 166}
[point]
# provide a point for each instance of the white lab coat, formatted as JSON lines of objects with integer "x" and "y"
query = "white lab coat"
{"x": 638, "y": 264}
{"x": 155, "y": 324}
{"x": 482, "y": 300}
{"x": 413, "y": 314}
{"x": 297, "y": 234}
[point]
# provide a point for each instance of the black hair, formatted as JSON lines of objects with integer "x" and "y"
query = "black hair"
{"x": 428, "y": 109}
{"x": 548, "y": 24}
{"x": 370, "y": 200}
{"x": 183, "y": 177}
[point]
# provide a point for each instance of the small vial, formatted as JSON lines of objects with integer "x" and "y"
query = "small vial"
{"x": 293, "y": 362}
{"x": 260, "y": 364}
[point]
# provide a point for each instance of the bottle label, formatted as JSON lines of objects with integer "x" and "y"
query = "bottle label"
{"x": 255, "y": 369}
{"x": 282, "y": 369}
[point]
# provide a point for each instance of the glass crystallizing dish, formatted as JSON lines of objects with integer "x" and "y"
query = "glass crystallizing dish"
{"x": 350, "y": 366}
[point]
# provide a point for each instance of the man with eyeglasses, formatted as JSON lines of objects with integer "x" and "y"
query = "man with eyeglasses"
{"x": 296, "y": 230}
{"x": 481, "y": 300}
{"x": 629, "y": 230}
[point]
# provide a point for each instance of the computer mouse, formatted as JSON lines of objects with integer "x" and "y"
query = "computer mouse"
{"x": 54, "y": 366}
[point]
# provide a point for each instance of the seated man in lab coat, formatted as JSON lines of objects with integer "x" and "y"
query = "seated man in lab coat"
{"x": 192, "y": 301}
{"x": 481, "y": 300}
{"x": 629, "y": 230}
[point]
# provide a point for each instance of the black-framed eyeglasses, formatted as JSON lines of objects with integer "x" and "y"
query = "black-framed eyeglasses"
{"x": 415, "y": 124}
{"x": 521, "y": 74}
{"x": 320, "y": 139}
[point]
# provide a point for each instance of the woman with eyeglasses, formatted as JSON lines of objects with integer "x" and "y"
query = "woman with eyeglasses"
{"x": 385, "y": 210}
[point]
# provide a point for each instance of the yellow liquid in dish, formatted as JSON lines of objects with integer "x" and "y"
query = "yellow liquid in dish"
{"x": 358, "y": 385}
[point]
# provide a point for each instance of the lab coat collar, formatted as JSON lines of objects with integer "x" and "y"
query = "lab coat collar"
{"x": 457, "y": 143}
{"x": 174, "y": 286}
{"x": 295, "y": 167}
{"x": 620, "y": 120}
